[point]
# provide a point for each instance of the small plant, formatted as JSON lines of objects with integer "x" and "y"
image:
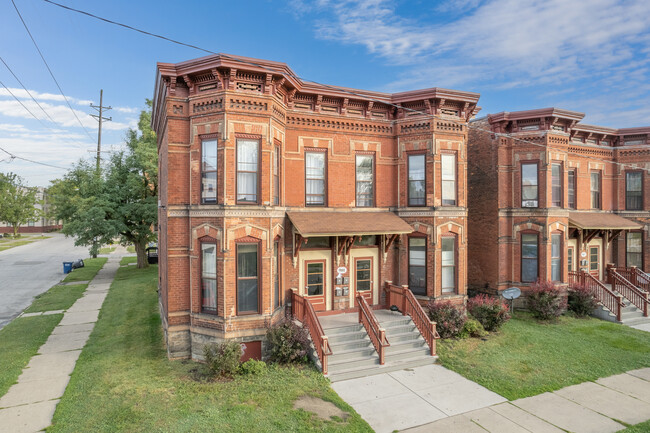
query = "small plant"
{"x": 222, "y": 359}
{"x": 289, "y": 342}
{"x": 252, "y": 367}
{"x": 546, "y": 301}
{"x": 581, "y": 301}
{"x": 489, "y": 311}
{"x": 449, "y": 318}
{"x": 472, "y": 328}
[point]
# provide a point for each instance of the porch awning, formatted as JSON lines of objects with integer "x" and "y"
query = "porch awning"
{"x": 601, "y": 221}
{"x": 310, "y": 224}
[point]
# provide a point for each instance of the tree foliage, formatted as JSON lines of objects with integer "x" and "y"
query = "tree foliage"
{"x": 17, "y": 201}
{"x": 118, "y": 202}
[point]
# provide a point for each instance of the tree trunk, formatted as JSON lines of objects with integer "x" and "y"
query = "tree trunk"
{"x": 16, "y": 230}
{"x": 140, "y": 249}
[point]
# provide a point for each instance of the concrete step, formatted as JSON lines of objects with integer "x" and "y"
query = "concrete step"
{"x": 642, "y": 320}
{"x": 346, "y": 336}
{"x": 404, "y": 336}
{"x": 401, "y": 329}
{"x": 355, "y": 352}
{"x": 386, "y": 368}
{"x": 363, "y": 362}
{"x": 351, "y": 344}
{"x": 343, "y": 329}
{"x": 407, "y": 353}
{"x": 408, "y": 344}
{"x": 395, "y": 322}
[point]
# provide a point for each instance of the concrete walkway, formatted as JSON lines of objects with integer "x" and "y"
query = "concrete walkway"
{"x": 29, "y": 405}
{"x": 590, "y": 407}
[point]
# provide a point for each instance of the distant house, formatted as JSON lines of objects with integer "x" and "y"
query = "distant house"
{"x": 40, "y": 224}
{"x": 274, "y": 190}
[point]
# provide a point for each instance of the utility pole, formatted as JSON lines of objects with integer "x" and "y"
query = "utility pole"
{"x": 100, "y": 118}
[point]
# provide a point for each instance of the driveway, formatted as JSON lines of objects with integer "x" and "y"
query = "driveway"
{"x": 29, "y": 270}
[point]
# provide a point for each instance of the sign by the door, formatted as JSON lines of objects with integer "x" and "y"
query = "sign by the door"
{"x": 341, "y": 270}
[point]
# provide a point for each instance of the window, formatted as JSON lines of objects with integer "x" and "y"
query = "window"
{"x": 31, "y": 223}
{"x": 209, "y": 171}
{"x": 247, "y": 170}
{"x": 317, "y": 242}
{"x": 365, "y": 180}
{"x": 276, "y": 273}
{"x": 593, "y": 258}
{"x": 448, "y": 264}
{"x": 529, "y": 257}
{"x": 418, "y": 265}
{"x": 276, "y": 177}
{"x": 315, "y": 278}
{"x": 529, "y": 197}
{"x": 556, "y": 257}
{"x": 315, "y": 178}
{"x": 572, "y": 188}
{"x": 556, "y": 185}
{"x": 595, "y": 190}
{"x": 448, "y": 172}
{"x": 247, "y": 279}
{"x": 417, "y": 180}
{"x": 569, "y": 259}
{"x": 634, "y": 190}
{"x": 364, "y": 271}
{"x": 366, "y": 241}
{"x": 209, "y": 277}
{"x": 634, "y": 249}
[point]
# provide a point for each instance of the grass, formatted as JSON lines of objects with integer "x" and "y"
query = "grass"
{"x": 528, "y": 358}
{"x": 126, "y": 260}
{"x": 7, "y": 243}
{"x": 19, "y": 341}
{"x": 644, "y": 427}
{"x": 57, "y": 298}
{"x": 88, "y": 272}
{"x": 130, "y": 249}
{"x": 106, "y": 250}
{"x": 123, "y": 380}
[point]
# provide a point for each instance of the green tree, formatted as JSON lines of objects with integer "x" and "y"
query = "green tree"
{"x": 17, "y": 201}
{"x": 118, "y": 202}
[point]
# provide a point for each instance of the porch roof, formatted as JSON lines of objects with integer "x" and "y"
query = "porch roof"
{"x": 603, "y": 221}
{"x": 310, "y": 224}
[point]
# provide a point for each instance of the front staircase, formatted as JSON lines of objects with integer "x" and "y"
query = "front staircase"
{"x": 353, "y": 354}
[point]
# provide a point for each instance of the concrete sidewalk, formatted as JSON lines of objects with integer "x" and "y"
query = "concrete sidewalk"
{"x": 590, "y": 407}
{"x": 29, "y": 405}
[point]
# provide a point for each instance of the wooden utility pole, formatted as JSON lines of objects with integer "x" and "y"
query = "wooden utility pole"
{"x": 100, "y": 118}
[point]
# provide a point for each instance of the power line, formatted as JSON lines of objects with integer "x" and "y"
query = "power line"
{"x": 49, "y": 70}
{"x": 25, "y": 88}
{"x": 340, "y": 89}
{"x": 21, "y": 103}
{"x": 14, "y": 156}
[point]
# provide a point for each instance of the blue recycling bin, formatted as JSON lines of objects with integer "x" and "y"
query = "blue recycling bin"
{"x": 67, "y": 267}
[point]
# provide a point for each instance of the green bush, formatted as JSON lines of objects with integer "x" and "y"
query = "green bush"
{"x": 222, "y": 359}
{"x": 490, "y": 311}
{"x": 288, "y": 342}
{"x": 546, "y": 301}
{"x": 581, "y": 301}
{"x": 252, "y": 367}
{"x": 472, "y": 328}
{"x": 449, "y": 318}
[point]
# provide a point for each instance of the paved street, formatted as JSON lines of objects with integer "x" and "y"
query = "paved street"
{"x": 29, "y": 270}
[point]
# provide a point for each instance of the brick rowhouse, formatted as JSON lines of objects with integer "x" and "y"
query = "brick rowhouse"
{"x": 270, "y": 184}
{"x": 568, "y": 197}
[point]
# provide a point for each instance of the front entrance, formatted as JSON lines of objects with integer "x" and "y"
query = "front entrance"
{"x": 364, "y": 275}
{"x": 594, "y": 260}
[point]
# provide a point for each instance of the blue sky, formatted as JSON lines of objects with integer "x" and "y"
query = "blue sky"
{"x": 586, "y": 55}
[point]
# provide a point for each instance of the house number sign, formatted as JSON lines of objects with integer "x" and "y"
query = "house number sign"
{"x": 341, "y": 270}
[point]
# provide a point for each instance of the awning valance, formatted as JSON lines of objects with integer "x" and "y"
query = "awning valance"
{"x": 311, "y": 224}
{"x": 601, "y": 221}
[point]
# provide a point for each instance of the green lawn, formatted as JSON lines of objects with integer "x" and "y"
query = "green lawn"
{"x": 644, "y": 427}
{"x": 528, "y": 358}
{"x": 88, "y": 272}
{"x": 123, "y": 380}
{"x": 106, "y": 250}
{"x": 7, "y": 243}
{"x": 19, "y": 341}
{"x": 57, "y": 298}
{"x": 126, "y": 260}
{"x": 130, "y": 249}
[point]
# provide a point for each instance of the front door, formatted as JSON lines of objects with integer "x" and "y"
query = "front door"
{"x": 363, "y": 277}
{"x": 315, "y": 283}
{"x": 594, "y": 261}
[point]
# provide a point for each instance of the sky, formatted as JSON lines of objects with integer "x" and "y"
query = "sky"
{"x": 591, "y": 56}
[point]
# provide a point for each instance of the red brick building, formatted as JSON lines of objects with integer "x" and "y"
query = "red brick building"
{"x": 269, "y": 184}
{"x": 549, "y": 195}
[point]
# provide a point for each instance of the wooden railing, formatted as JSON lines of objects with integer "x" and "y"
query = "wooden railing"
{"x": 611, "y": 300}
{"x": 376, "y": 333}
{"x": 636, "y": 276}
{"x": 622, "y": 285}
{"x": 403, "y": 298}
{"x": 302, "y": 310}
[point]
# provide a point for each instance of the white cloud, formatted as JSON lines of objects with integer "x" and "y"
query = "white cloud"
{"x": 128, "y": 110}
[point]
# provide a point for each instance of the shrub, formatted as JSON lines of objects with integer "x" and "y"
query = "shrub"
{"x": 288, "y": 341}
{"x": 581, "y": 301}
{"x": 222, "y": 358}
{"x": 252, "y": 367}
{"x": 472, "y": 328}
{"x": 491, "y": 312}
{"x": 545, "y": 300}
{"x": 449, "y": 318}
